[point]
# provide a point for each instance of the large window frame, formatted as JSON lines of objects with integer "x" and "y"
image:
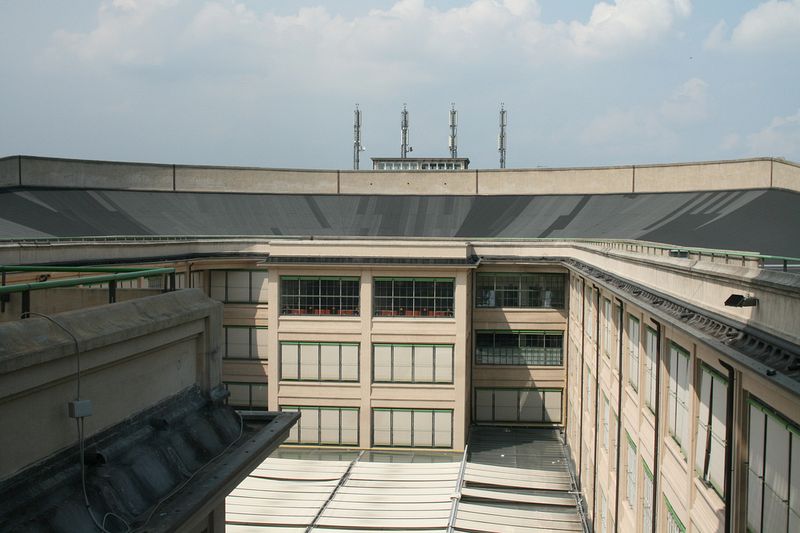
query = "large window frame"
{"x": 253, "y": 403}
{"x": 320, "y": 295}
{"x": 607, "y": 322}
{"x": 521, "y": 290}
{"x": 710, "y": 442}
{"x": 674, "y": 523}
{"x": 631, "y": 471}
{"x": 524, "y": 403}
{"x": 311, "y": 424}
{"x": 530, "y": 348}
{"x": 413, "y": 363}
{"x": 297, "y": 364}
{"x": 651, "y": 356}
{"x": 415, "y": 422}
{"x": 222, "y": 288}
{"x": 256, "y": 344}
{"x": 634, "y": 332}
{"x": 647, "y": 498}
{"x": 413, "y": 297}
{"x": 773, "y": 471}
{"x": 678, "y": 396}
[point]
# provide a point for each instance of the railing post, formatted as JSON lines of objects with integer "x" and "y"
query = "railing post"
{"x": 26, "y": 304}
{"x": 112, "y": 291}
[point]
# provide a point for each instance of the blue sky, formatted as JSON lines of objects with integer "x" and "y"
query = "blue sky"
{"x": 275, "y": 83}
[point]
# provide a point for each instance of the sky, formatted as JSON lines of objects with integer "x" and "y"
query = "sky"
{"x": 260, "y": 83}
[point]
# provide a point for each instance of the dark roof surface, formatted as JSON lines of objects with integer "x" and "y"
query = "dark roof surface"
{"x": 765, "y": 221}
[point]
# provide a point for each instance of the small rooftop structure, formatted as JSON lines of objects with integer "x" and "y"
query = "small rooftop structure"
{"x": 420, "y": 163}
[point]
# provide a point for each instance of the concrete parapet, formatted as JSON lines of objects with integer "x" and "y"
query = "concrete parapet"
{"x": 416, "y": 183}
{"x": 607, "y": 180}
{"x": 786, "y": 175}
{"x": 9, "y": 171}
{"x": 82, "y": 174}
{"x": 710, "y": 176}
{"x": 255, "y": 180}
{"x": 133, "y": 355}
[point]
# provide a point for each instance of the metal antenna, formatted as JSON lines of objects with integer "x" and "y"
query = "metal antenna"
{"x": 357, "y": 147}
{"x": 404, "y": 147}
{"x": 452, "y": 141}
{"x": 501, "y": 139}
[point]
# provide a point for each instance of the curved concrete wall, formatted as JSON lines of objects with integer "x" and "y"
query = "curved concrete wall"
{"x": 758, "y": 173}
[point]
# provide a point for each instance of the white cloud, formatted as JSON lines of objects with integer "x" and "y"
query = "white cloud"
{"x": 655, "y": 128}
{"x": 411, "y": 42}
{"x": 770, "y": 25}
{"x": 780, "y": 138}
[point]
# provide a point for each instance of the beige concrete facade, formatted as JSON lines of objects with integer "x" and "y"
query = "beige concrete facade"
{"x": 759, "y": 173}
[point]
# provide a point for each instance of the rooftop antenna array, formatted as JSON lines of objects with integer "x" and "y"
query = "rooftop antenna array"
{"x": 501, "y": 139}
{"x": 404, "y": 147}
{"x": 357, "y": 146}
{"x": 452, "y": 141}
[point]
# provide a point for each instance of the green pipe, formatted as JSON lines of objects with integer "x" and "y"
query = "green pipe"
{"x": 86, "y": 280}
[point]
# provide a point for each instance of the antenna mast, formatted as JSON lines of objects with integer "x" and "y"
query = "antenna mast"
{"x": 357, "y": 147}
{"x": 501, "y": 139}
{"x": 404, "y": 147}
{"x": 452, "y": 141}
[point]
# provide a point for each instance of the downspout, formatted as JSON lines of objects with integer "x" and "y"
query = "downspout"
{"x": 657, "y": 437}
{"x": 580, "y": 392}
{"x": 620, "y": 329}
{"x": 728, "y": 444}
{"x": 596, "y": 398}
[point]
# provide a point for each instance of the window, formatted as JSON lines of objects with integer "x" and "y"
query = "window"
{"x": 773, "y": 477}
{"x": 590, "y": 324}
{"x": 412, "y": 428}
{"x": 588, "y": 400}
{"x": 647, "y": 499}
{"x": 520, "y": 289}
{"x": 333, "y": 426}
{"x": 650, "y": 353}
{"x": 414, "y": 297}
{"x": 678, "y": 398}
{"x": 319, "y": 361}
{"x": 239, "y": 286}
{"x": 674, "y": 524}
{"x": 304, "y": 295}
{"x": 247, "y": 396}
{"x": 245, "y": 342}
{"x": 711, "y": 423}
{"x": 606, "y": 420}
{"x": 630, "y": 472}
{"x": 603, "y": 512}
{"x": 518, "y": 405}
{"x": 531, "y": 348}
{"x": 412, "y": 363}
{"x": 607, "y": 321}
{"x": 633, "y": 351}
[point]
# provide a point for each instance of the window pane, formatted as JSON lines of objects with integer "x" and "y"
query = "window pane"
{"x": 423, "y": 428}
{"x": 259, "y": 342}
{"x": 217, "y": 287}
{"x": 402, "y": 363}
{"x": 329, "y": 362}
{"x": 238, "y": 286}
{"x": 531, "y": 404}
{"x": 309, "y": 426}
{"x": 329, "y": 426}
{"x": 444, "y": 364}
{"x": 349, "y": 362}
{"x": 289, "y": 361}
{"x": 238, "y": 342}
{"x": 505, "y": 405}
{"x": 423, "y": 364}
{"x": 258, "y": 289}
{"x": 401, "y": 428}
{"x": 350, "y": 426}
{"x": 382, "y": 365}
{"x": 258, "y": 393}
{"x": 381, "y": 427}
{"x": 483, "y": 405}
{"x": 443, "y": 429}
{"x": 309, "y": 361}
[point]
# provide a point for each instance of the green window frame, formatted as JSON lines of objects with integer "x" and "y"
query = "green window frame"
{"x": 412, "y": 428}
{"x": 519, "y": 348}
{"x": 647, "y": 498}
{"x": 413, "y": 297}
{"x": 518, "y": 405}
{"x": 678, "y": 396}
{"x": 238, "y": 286}
{"x": 630, "y": 471}
{"x": 246, "y": 396}
{"x": 634, "y": 332}
{"x": 412, "y": 363}
{"x": 651, "y": 356}
{"x": 522, "y": 290}
{"x": 254, "y": 347}
{"x": 320, "y": 295}
{"x": 674, "y": 523}
{"x": 710, "y": 442}
{"x": 324, "y": 425}
{"x": 319, "y": 361}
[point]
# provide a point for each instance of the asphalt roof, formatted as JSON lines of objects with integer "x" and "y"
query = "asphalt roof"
{"x": 761, "y": 220}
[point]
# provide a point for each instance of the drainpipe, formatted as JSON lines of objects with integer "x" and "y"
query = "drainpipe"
{"x": 596, "y": 397}
{"x": 657, "y": 437}
{"x": 580, "y": 392}
{"x": 728, "y": 445}
{"x": 620, "y": 329}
